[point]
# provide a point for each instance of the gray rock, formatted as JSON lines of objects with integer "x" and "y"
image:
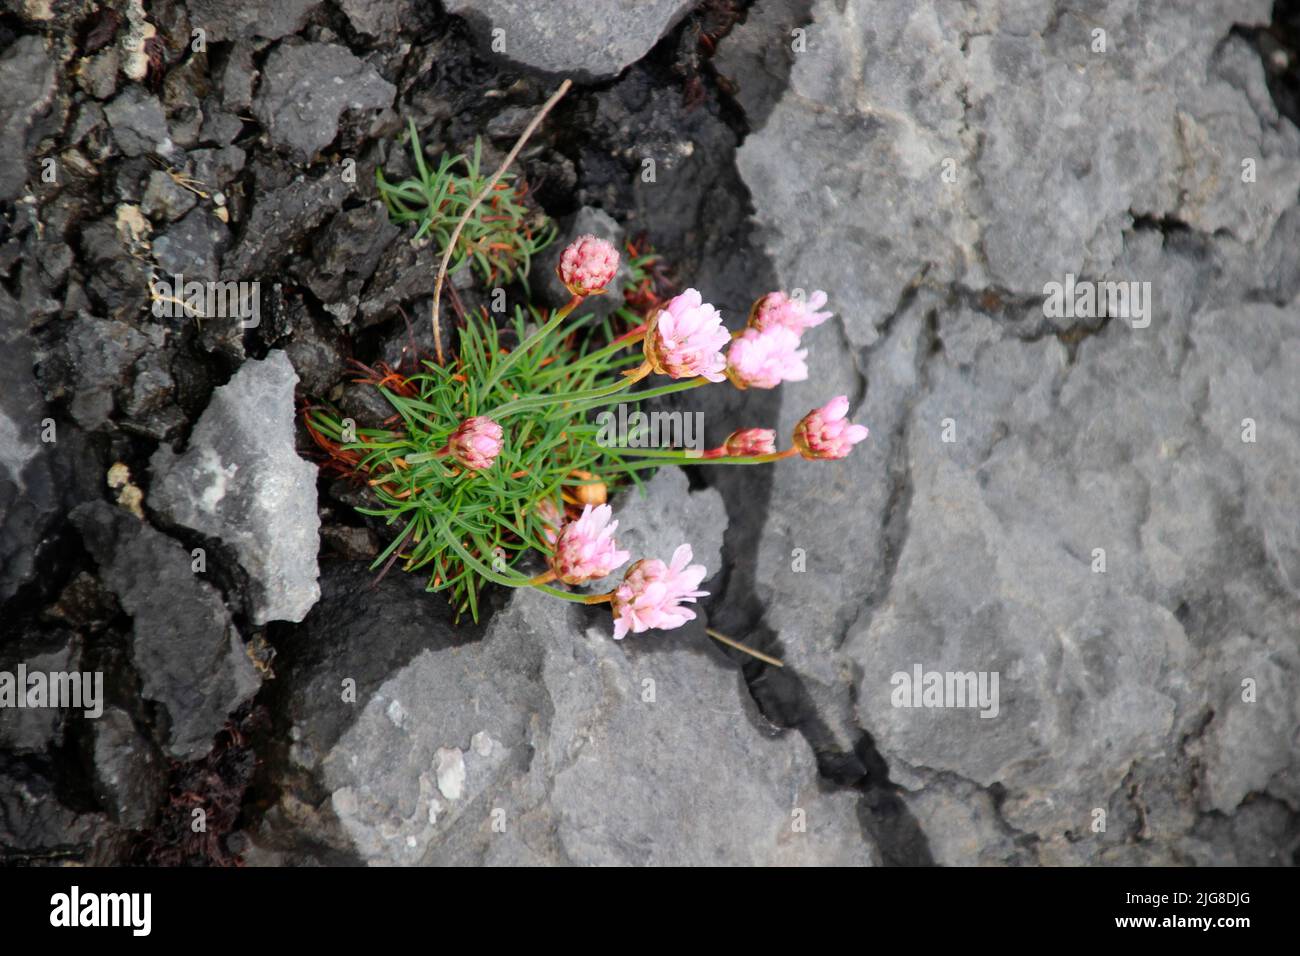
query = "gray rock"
{"x": 184, "y": 647}
{"x": 97, "y": 359}
{"x": 1120, "y": 692}
{"x": 97, "y": 74}
{"x": 139, "y": 124}
{"x": 264, "y": 19}
{"x": 129, "y": 778}
{"x": 591, "y": 40}
{"x": 192, "y": 246}
{"x": 756, "y": 56}
{"x": 37, "y": 827}
{"x": 382, "y": 19}
{"x": 345, "y": 256}
{"x": 165, "y": 199}
{"x": 283, "y": 211}
{"x": 547, "y": 742}
{"x": 307, "y": 87}
{"x": 36, "y": 729}
{"x": 29, "y": 498}
{"x": 240, "y": 481}
{"x": 27, "y": 75}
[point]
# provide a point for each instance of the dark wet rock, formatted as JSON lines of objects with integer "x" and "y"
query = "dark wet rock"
{"x": 188, "y": 654}
{"x": 219, "y": 126}
{"x": 193, "y": 246}
{"x": 264, "y": 19}
{"x": 37, "y": 827}
{"x": 139, "y": 124}
{"x": 97, "y": 74}
{"x": 164, "y": 199}
{"x": 345, "y": 255}
{"x": 27, "y": 76}
{"x": 28, "y": 495}
{"x": 35, "y": 729}
{"x": 118, "y": 279}
{"x": 94, "y": 366}
{"x": 350, "y": 543}
{"x": 128, "y": 773}
{"x": 216, "y": 169}
{"x": 381, "y": 19}
{"x": 317, "y": 352}
{"x": 404, "y": 273}
{"x": 285, "y": 208}
{"x": 237, "y": 77}
{"x": 84, "y": 605}
{"x": 183, "y": 93}
{"x": 240, "y": 481}
{"x": 150, "y": 405}
{"x": 306, "y": 88}
{"x": 596, "y": 39}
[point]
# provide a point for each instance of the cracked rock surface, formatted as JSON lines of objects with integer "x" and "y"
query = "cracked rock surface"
{"x": 1080, "y": 507}
{"x": 546, "y": 742}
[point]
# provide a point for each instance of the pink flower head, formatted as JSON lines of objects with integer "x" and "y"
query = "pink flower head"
{"x": 587, "y": 265}
{"x": 585, "y": 549}
{"x": 651, "y": 594}
{"x": 823, "y": 432}
{"x": 778, "y": 309}
{"x": 476, "y": 442}
{"x": 686, "y": 338}
{"x": 765, "y": 359}
{"x": 751, "y": 441}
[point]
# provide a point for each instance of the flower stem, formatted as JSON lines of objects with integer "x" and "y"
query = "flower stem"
{"x": 741, "y": 647}
{"x": 652, "y": 460}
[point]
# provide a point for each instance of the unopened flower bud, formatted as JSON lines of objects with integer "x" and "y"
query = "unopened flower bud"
{"x": 749, "y": 442}
{"x": 476, "y": 442}
{"x": 587, "y": 265}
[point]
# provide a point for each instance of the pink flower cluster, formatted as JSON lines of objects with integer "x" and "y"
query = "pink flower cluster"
{"x": 585, "y": 548}
{"x": 685, "y": 339}
{"x": 651, "y": 593}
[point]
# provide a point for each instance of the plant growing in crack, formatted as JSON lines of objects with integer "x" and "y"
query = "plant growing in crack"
{"x": 493, "y": 455}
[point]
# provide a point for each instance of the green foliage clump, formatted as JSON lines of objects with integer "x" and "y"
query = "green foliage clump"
{"x": 466, "y": 527}
{"x": 502, "y": 235}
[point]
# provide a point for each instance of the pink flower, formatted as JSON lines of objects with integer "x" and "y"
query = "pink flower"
{"x": 686, "y": 338}
{"x": 751, "y": 441}
{"x": 778, "y": 309}
{"x": 585, "y": 549}
{"x": 587, "y": 265}
{"x": 823, "y": 432}
{"x": 765, "y": 359}
{"x": 652, "y": 591}
{"x": 476, "y": 442}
